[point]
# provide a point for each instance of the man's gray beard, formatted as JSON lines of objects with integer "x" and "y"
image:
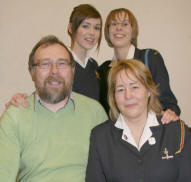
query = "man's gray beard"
{"x": 54, "y": 95}
{"x": 53, "y": 98}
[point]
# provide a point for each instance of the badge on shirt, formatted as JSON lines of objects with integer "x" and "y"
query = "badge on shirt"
{"x": 151, "y": 141}
{"x": 97, "y": 75}
{"x": 166, "y": 155}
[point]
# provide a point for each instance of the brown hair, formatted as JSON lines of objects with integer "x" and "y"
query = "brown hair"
{"x": 132, "y": 20}
{"x": 78, "y": 15}
{"x": 139, "y": 70}
{"x": 45, "y": 42}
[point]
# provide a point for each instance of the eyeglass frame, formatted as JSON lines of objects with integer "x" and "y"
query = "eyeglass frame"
{"x": 50, "y": 64}
{"x": 115, "y": 23}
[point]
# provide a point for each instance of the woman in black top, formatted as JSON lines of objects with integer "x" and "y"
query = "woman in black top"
{"x": 85, "y": 26}
{"x": 121, "y": 31}
{"x": 134, "y": 145}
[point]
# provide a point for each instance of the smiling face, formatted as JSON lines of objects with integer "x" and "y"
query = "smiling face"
{"x": 53, "y": 84}
{"x": 131, "y": 96}
{"x": 120, "y": 31}
{"x": 87, "y": 34}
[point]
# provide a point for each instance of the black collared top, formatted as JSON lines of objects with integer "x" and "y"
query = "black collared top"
{"x": 113, "y": 159}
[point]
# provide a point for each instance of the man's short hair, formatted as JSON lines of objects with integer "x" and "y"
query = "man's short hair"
{"x": 45, "y": 42}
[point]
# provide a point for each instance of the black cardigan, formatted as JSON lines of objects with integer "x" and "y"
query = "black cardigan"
{"x": 159, "y": 74}
{"x": 86, "y": 79}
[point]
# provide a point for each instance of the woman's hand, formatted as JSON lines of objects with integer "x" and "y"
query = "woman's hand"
{"x": 16, "y": 100}
{"x": 168, "y": 116}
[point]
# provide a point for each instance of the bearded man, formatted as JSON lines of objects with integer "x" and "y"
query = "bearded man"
{"x": 49, "y": 139}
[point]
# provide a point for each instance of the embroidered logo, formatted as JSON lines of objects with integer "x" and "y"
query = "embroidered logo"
{"x": 166, "y": 154}
{"x": 97, "y": 75}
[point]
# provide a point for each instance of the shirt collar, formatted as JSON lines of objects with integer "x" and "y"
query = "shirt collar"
{"x": 130, "y": 54}
{"x": 78, "y": 60}
{"x": 146, "y": 135}
{"x": 38, "y": 101}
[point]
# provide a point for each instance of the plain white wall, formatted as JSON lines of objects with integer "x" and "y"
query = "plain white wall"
{"x": 164, "y": 25}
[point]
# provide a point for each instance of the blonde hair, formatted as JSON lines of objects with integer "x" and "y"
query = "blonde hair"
{"x": 132, "y": 20}
{"x": 139, "y": 70}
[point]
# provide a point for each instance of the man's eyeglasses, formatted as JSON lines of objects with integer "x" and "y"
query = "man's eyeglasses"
{"x": 47, "y": 64}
